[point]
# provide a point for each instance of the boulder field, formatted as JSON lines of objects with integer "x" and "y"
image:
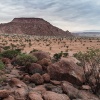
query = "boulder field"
{"x": 44, "y": 80}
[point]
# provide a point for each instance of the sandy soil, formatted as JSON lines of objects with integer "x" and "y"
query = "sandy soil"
{"x": 49, "y": 44}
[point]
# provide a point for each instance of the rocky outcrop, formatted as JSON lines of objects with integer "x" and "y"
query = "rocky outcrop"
{"x": 40, "y": 55}
{"x": 54, "y": 96}
{"x": 64, "y": 70}
{"x": 4, "y": 93}
{"x": 46, "y": 77}
{"x": 14, "y": 82}
{"x": 32, "y": 26}
{"x": 70, "y": 90}
{"x": 19, "y": 88}
{"x": 74, "y": 93}
{"x": 9, "y": 98}
{"x": 34, "y": 68}
{"x": 45, "y": 61}
{"x": 37, "y": 79}
{"x": 63, "y": 80}
{"x": 84, "y": 95}
{"x": 40, "y": 89}
{"x": 35, "y": 96}
{"x": 6, "y": 60}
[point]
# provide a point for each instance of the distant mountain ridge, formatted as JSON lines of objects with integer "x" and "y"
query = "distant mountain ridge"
{"x": 89, "y": 34}
{"x": 32, "y": 26}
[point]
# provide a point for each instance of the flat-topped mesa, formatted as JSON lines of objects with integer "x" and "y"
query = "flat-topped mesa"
{"x": 28, "y": 20}
{"x": 32, "y": 26}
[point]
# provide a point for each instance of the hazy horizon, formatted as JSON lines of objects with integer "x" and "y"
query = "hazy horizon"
{"x": 72, "y": 15}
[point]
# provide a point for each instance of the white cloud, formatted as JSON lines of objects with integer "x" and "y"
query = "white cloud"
{"x": 73, "y": 15}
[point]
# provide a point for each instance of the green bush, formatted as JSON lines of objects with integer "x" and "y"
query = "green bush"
{"x": 19, "y": 50}
{"x": 91, "y": 56}
{"x": 90, "y": 61}
{"x": 65, "y": 54}
{"x": 6, "y": 47}
{"x": 34, "y": 50}
{"x": 10, "y": 53}
{"x": 58, "y": 56}
{"x": 1, "y": 65}
{"x": 24, "y": 59}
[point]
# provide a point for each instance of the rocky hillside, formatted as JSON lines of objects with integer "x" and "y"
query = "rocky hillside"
{"x": 32, "y": 26}
{"x": 36, "y": 77}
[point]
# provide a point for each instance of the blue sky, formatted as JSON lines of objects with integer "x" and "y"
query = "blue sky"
{"x": 72, "y": 15}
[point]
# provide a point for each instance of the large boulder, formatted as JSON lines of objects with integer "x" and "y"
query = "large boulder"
{"x": 4, "y": 93}
{"x": 41, "y": 55}
{"x": 54, "y": 82}
{"x": 85, "y": 95}
{"x": 15, "y": 72}
{"x": 70, "y": 90}
{"x": 9, "y": 98}
{"x": 20, "y": 93}
{"x": 44, "y": 62}
{"x": 34, "y": 96}
{"x": 6, "y": 60}
{"x": 46, "y": 77}
{"x": 74, "y": 93}
{"x": 86, "y": 87}
{"x": 27, "y": 78}
{"x": 19, "y": 88}
{"x": 54, "y": 96}
{"x": 34, "y": 68}
{"x": 14, "y": 82}
{"x": 37, "y": 79}
{"x": 68, "y": 71}
{"x": 40, "y": 89}
{"x": 53, "y": 88}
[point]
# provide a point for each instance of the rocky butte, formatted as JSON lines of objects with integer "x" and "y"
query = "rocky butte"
{"x": 32, "y": 26}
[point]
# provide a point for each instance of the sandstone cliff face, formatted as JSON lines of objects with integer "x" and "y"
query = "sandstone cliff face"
{"x": 32, "y": 26}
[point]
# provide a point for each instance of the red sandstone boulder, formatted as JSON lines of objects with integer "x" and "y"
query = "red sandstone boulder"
{"x": 92, "y": 80}
{"x": 14, "y": 82}
{"x": 85, "y": 95}
{"x": 19, "y": 89}
{"x": 50, "y": 87}
{"x": 37, "y": 79}
{"x": 9, "y": 98}
{"x": 86, "y": 87}
{"x": 44, "y": 62}
{"x": 70, "y": 90}
{"x": 34, "y": 96}
{"x": 54, "y": 96}
{"x": 15, "y": 72}
{"x": 4, "y": 93}
{"x": 20, "y": 93}
{"x": 40, "y": 89}
{"x": 53, "y": 88}
{"x": 27, "y": 78}
{"x": 34, "y": 68}
{"x": 41, "y": 55}
{"x": 54, "y": 82}
{"x": 46, "y": 77}
{"x": 65, "y": 70}
{"x": 74, "y": 93}
{"x": 6, "y": 60}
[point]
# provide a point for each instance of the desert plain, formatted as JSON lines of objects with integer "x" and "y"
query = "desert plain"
{"x": 51, "y": 44}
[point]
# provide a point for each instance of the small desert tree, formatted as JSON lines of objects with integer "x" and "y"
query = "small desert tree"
{"x": 58, "y": 56}
{"x": 90, "y": 61}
